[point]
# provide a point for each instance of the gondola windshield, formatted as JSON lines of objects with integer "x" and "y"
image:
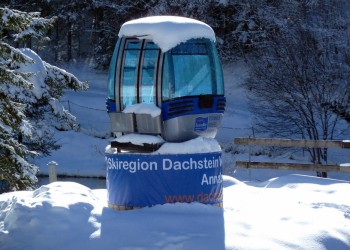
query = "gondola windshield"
{"x": 192, "y": 69}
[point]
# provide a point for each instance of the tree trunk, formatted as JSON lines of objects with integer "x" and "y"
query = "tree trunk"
{"x": 69, "y": 41}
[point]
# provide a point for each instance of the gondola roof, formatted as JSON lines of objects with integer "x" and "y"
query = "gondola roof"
{"x": 167, "y": 31}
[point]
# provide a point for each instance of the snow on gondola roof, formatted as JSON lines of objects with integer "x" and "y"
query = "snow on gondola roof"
{"x": 167, "y": 31}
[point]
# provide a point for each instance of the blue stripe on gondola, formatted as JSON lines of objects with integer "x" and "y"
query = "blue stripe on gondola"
{"x": 189, "y": 106}
{"x": 182, "y": 106}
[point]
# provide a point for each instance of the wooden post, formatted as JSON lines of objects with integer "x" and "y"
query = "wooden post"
{"x": 52, "y": 171}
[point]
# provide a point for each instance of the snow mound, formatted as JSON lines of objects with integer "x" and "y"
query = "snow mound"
{"x": 194, "y": 146}
{"x": 230, "y": 181}
{"x": 293, "y": 180}
{"x": 167, "y": 31}
{"x": 71, "y": 216}
{"x": 197, "y": 145}
{"x": 48, "y": 211}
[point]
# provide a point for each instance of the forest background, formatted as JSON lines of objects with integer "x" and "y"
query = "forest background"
{"x": 89, "y": 28}
{"x": 298, "y": 52}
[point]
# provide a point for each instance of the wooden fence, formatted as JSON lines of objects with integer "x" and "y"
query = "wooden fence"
{"x": 319, "y": 168}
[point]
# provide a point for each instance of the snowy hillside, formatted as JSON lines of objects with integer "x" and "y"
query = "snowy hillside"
{"x": 89, "y": 108}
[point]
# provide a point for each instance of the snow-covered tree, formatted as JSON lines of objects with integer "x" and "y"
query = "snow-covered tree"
{"x": 44, "y": 110}
{"x": 29, "y": 92}
{"x": 303, "y": 71}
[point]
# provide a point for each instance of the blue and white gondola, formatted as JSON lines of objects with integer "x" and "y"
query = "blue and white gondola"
{"x": 185, "y": 82}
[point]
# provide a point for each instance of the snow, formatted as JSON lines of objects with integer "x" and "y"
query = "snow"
{"x": 80, "y": 155}
{"x": 56, "y": 106}
{"x": 288, "y": 212}
{"x": 26, "y": 127}
{"x": 263, "y": 209}
{"x": 197, "y": 145}
{"x": 137, "y": 139}
{"x": 167, "y": 31}
{"x": 38, "y": 70}
{"x": 143, "y": 108}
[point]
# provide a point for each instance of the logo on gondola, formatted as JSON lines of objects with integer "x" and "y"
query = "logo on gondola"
{"x": 201, "y": 124}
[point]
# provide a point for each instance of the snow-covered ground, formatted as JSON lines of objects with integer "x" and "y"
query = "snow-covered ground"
{"x": 287, "y": 212}
{"x": 89, "y": 108}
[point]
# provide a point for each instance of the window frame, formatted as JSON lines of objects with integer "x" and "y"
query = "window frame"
{"x": 155, "y": 74}
{"x": 122, "y": 68}
{"x": 139, "y": 70}
{"x": 216, "y": 77}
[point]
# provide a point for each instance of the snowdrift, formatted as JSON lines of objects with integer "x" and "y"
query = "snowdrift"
{"x": 288, "y": 212}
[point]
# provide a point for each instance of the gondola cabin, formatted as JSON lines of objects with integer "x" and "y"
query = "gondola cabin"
{"x": 165, "y": 78}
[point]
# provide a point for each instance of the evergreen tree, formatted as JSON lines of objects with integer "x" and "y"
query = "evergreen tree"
{"x": 23, "y": 98}
{"x": 44, "y": 111}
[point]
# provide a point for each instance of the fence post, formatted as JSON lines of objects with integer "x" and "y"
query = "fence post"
{"x": 52, "y": 171}
{"x": 250, "y": 159}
